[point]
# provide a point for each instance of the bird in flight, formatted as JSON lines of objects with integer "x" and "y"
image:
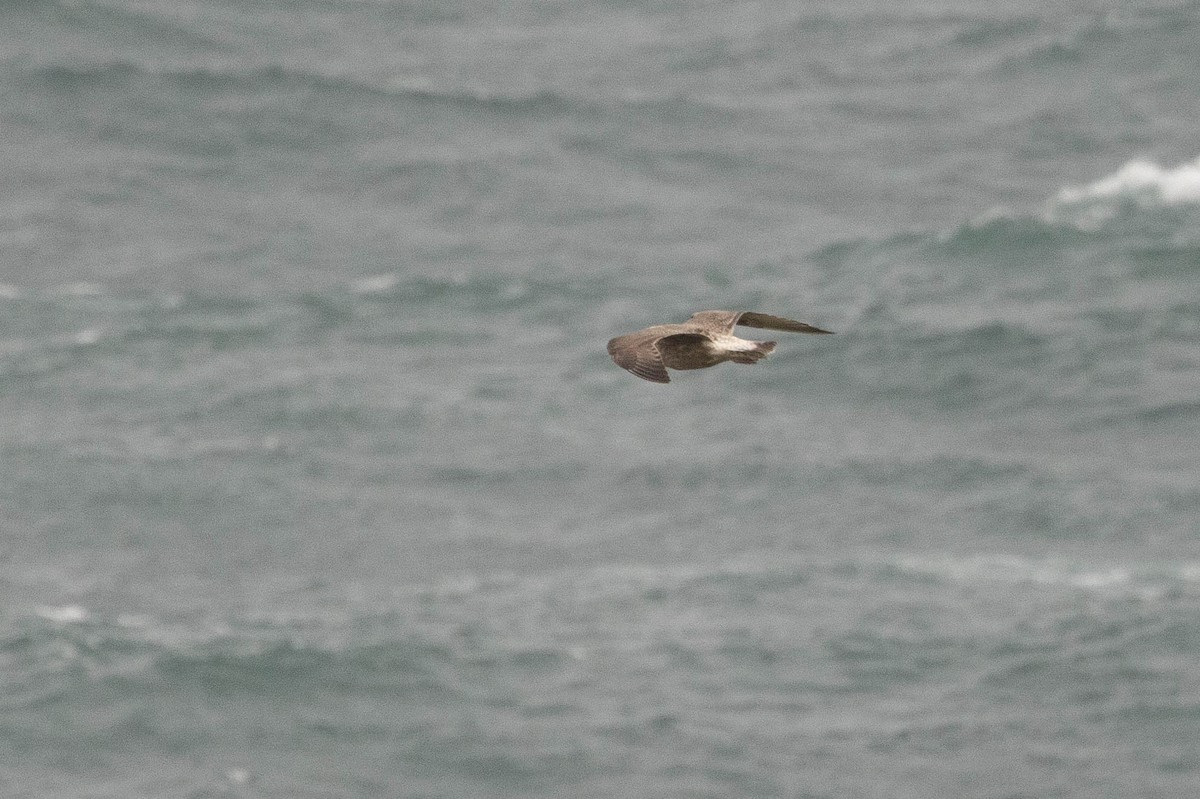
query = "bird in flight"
{"x": 704, "y": 340}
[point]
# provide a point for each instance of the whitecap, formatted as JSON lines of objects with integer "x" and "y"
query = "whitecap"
{"x": 63, "y": 614}
{"x": 375, "y": 284}
{"x": 1147, "y": 581}
{"x": 1143, "y": 181}
{"x": 81, "y": 289}
{"x": 88, "y": 336}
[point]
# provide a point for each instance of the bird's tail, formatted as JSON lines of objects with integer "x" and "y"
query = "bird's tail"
{"x": 761, "y": 350}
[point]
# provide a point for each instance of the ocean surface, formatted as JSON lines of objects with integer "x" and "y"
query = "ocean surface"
{"x": 316, "y": 480}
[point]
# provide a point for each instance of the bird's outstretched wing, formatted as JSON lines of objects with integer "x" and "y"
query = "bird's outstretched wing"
{"x": 724, "y": 322}
{"x": 755, "y": 319}
{"x": 716, "y": 321}
{"x": 638, "y": 353}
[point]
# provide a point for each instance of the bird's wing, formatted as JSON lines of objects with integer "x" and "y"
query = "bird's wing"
{"x": 724, "y": 322}
{"x": 754, "y": 319}
{"x": 638, "y": 352}
{"x": 716, "y": 321}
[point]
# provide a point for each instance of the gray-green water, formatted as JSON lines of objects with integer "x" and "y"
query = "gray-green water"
{"x": 316, "y": 479}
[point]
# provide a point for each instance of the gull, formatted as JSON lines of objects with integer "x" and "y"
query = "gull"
{"x": 704, "y": 340}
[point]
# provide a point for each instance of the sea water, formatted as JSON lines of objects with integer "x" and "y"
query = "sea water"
{"x": 316, "y": 479}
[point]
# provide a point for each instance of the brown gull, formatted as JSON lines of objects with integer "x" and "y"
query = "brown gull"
{"x": 704, "y": 340}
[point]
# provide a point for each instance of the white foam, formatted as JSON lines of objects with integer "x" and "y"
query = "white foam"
{"x": 81, "y": 289}
{"x": 375, "y": 284}
{"x": 88, "y": 336}
{"x": 1143, "y": 181}
{"x": 1148, "y": 580}
{"x": 63, "y": 614}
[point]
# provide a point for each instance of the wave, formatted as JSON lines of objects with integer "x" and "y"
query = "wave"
{"x": 941, "y": 472}
{"x": 210, "y": 76}
{"x": 1119, "y": 33}
{"x": 1170, "y": 411}
{"x": 224, "y": 74}
{"x": 1141, "y": 182}
{"x": 79, "y": 326}
{"x": 269, "y": 667}
{"x": 63, "y": 614}
{"x": 427, "y": 643}
{"x": 1143, "y": 210}
{"x": 46, "y": 330}
{"x": 1021, "y": 240}
{"x": 1146, "y": 580}
{"x": 60, "y": 653}
{"x": 489, "y": 292}
{"x": 1023, "y": 308}
{"x": 67, "y": 667}
{"x": 980, "y": 34}
{"x": 215, "y": 72}
{"x": 114, "y": 25}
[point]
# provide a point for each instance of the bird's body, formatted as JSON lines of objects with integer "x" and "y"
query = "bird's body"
{"x": 704, "y": 340}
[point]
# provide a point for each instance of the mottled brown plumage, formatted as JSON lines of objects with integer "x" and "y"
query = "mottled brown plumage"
{"x": 704, "y": 340}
